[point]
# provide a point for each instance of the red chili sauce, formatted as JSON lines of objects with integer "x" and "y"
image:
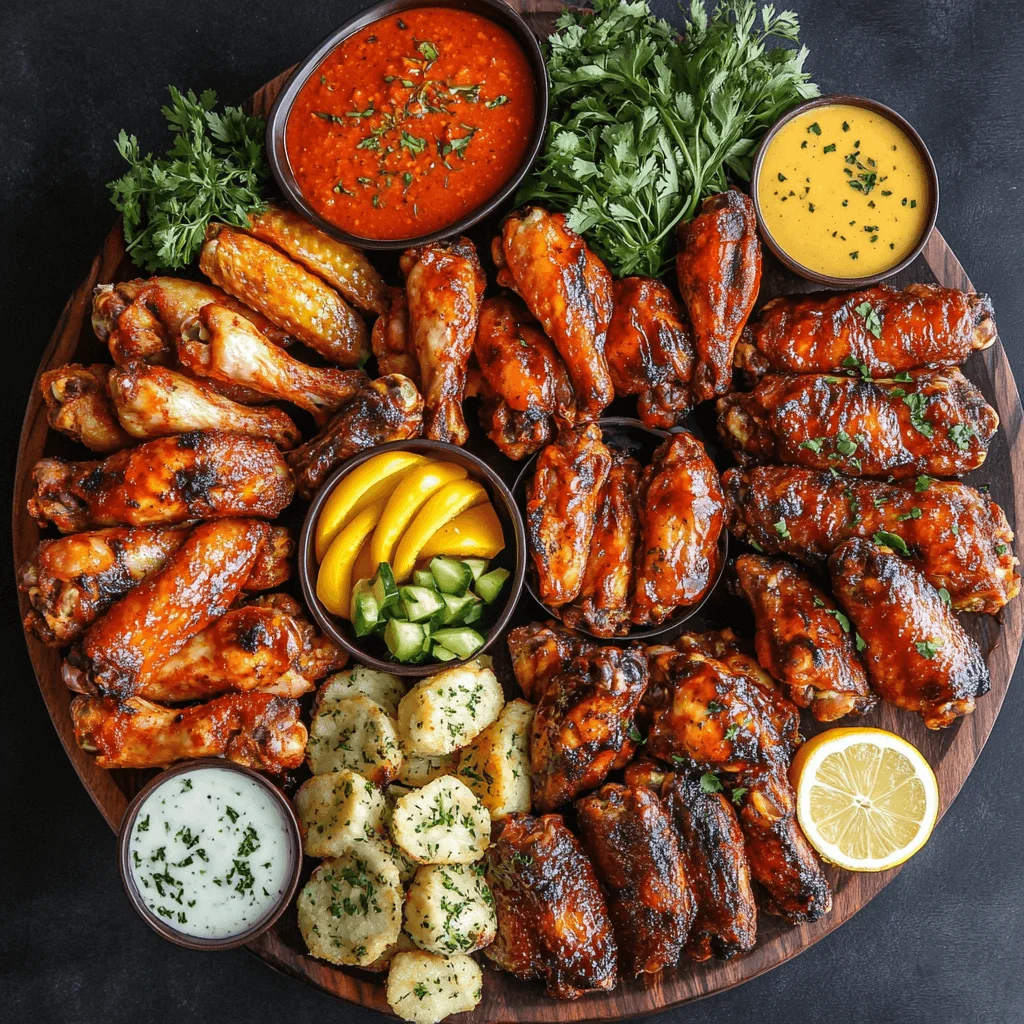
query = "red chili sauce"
{"x": 411, "y": 123}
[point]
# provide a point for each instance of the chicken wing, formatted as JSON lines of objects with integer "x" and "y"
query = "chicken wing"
{"x": 955, "y": 535}
{"x": 582, "y": 727}
{"x": 390, "y": 339}
{"x": 681, "y": 511}
{"x": 633, "y": 847}
{"x": 286, "y": 293}
{"x": 152, "y": 401}
{"x": 718, "y": 269}
{"x": 552, "y": 919}
{"x": 603, "y": 603}
{"x": 78, "y": 405}
{"x": 223, "y": 346}
{"x": 803, "y": 640}
{"x": 918, "y": 655}
{"x": 650, "y": 351}
{"x": 444, "y": 286}
{"x": 880, "y": 331}
{"x": 561, "y": 510}
{"x": 257, "y": 730}
{"x": 568, "y": 289}
{"x": 717, "y": 871}
{"x": 525, "y": 384}
{"x": 930, "y": 421}
{"x": 539, "y": 652}
{"x": 386, "y": 409}
{"x": 204, "y": 474}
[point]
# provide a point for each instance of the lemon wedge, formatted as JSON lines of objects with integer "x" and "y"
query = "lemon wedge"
{"x": 334, "y": 580}
{"x": 476, "y": 533}
{"x": 866, "y": 799}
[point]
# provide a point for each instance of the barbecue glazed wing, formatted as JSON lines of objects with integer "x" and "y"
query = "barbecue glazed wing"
{"x": 204, "y": 474}
{"x": 152, "y": 401}
{"x": 257, "y": 730}
{"x": 198, "y": 584}
{"x": 918, "y": 655}
{"x": 718, "y": 269}
{"x": 650, "y": 351}
{"x": 581, "y": 730}
{"x": 525, "y": 384}
{"x": 681, "y": 511}
{"x": 539, "y": 652}
{"x": 286, "y": 293}
{"x": 221, "y": 345}
{"x": 386, "y": 409}
{"x": 956, "y": 536}
{"x": 568, "y": 289}
{"x": 340, "y": 265}
{"x": 929, "y": 421}
{"x": 552, "y": 919}
{"x": 390, "y": 339}
{"x": 78, "y": 405}
{"x": 634, "y": 850}
{"x": 803, "y": 640}
{"x": 882, "y": 329}
{"x": 561, "y": 510}
{"x": 602, "y": 606}
{"x": 444, "y": 286}
{"x": 715, "y": 862}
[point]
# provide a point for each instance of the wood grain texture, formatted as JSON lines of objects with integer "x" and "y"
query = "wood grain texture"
{"x": 952, "y": 753}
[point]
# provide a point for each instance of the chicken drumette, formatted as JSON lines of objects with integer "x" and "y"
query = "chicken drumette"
{"x": 78, "y": 405}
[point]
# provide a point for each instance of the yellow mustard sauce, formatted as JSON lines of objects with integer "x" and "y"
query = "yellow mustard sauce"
{"x": 843, "y": 191}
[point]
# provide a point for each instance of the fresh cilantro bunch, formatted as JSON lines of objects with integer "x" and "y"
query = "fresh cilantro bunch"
{"x": 644, "y": 124}
{"x": 215, "y": 169}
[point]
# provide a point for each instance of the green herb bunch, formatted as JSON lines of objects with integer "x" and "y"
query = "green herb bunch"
{"x": 644, "y": 124}
{"x": 215, "y": 169}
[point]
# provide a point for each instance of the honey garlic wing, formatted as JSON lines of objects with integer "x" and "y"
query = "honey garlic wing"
{"x": 539, "y": 652}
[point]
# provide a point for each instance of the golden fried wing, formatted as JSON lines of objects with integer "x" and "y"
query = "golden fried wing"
{"x": 78, "y": 405}
{"x": 390, "y": 339}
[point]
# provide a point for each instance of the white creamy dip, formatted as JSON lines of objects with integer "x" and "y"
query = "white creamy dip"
{"x": 210, "y": 853}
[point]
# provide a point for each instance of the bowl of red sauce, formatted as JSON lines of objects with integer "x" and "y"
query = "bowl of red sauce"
{"x": 411, "y": 122}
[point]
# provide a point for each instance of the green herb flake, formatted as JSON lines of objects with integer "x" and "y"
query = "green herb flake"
{"x": 710, "y": 783}
{"x": 892, "y": 540}
{"x": 928, "y": 648}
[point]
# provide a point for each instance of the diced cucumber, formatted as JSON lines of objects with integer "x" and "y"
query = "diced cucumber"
{"x": 490, "y": 585}
{"x": 477, "y": 566}
{"x": 473, "y": 613}
{"x": 419, "y": 603}
{"x": 455, "y": 606}
{"x": 385, "y": 591}
{"x": 404, "y": 640}
{"x": 364, "y": 611}
{"x": 463, "y": 642}
{"x": 443, "y": 654}
{"x": 450, "y": 575}
{"x": 423, "y": 578}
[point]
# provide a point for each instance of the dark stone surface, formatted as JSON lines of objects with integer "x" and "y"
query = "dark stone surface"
{"x": 944, "y": 944}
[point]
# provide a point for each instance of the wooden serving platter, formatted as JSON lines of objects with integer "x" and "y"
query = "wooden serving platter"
{"x": 952, "y": 752}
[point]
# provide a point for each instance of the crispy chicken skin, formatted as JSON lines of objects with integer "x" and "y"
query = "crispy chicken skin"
{"x": 718, "y": 269}
{"x": 286, "y": 293}
{"x": 717, "y": 872}
{"x": 340, "y": 265}
{"x": 78, "y": 405}
{"x": 955, "y": 535}
{"x": 581, "y": 730}
{"x": 386, "y": 409}
{"x": 525, "y": 388}
{"x": 924, "y": 325}
{"x": 204, "y": 474}
{"x": 568, "y": 289}
{"x": 603, "y": 604}
{"x": 539, "y": 652}
{"x": 561, "y": 510}
{"x": 633, "y": 847}
{"x": 153, "y": 401}
{"x": 801, "y": 641}
{"x": 650, "y": 351}
{"x": 390, "y": 339}
{"x": 937, "y": 422}
{"x": 444, "y": 286}
{"x": 552, "y": 919}
{"x": 222, "y": 346}
{"x": 681, "y": 512}
{"x": 257, "y": 730}
{"x": 199, "y": 583}
{"x": 918, "y": 655}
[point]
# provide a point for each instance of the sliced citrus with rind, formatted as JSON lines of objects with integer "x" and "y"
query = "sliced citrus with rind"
{"x": 476, "y": 533}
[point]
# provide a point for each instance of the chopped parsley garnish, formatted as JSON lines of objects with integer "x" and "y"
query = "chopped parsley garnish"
{"x": 923, "y": 482}
{"x": 871, "y": 319}
{"x": 928, "y": 648}
{"x": 710, "y": 783}
{"x": 917, "y": 403}
{"x": 891, "y": 540}
{"x": 960, "y": 434}
{"x": 782, "y": 529}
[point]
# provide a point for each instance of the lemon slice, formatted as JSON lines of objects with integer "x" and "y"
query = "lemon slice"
{"x": 866, "y": 799}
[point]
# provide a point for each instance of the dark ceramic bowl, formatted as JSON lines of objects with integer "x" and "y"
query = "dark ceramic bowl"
{"x": 513, "y": 557}
{"x": 158, "y": 924}
{"x": 929, "y": 166}
{"x": 277, "y": 123}
{"x": 640, "y": 441}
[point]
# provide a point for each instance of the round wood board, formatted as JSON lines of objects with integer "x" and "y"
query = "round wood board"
{"x": 952, "y": 752}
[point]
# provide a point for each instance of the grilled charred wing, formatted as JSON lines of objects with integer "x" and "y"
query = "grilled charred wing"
{"x": 539, "y": 652}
